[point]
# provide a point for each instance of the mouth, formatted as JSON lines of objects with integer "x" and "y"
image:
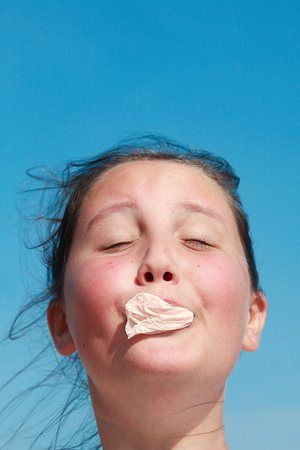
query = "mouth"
{"x": 150, "y": 314}
{"x": 168, "y": 300}
{"x": 173, "y": 302}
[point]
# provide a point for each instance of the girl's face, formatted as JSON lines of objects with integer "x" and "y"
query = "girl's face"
{"x": 167, "y": 229}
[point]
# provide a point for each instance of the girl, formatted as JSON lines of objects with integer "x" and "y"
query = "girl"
{"x": 157, "y": 218}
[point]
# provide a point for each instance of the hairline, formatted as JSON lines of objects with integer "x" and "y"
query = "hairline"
{"x": 156, "y": 156}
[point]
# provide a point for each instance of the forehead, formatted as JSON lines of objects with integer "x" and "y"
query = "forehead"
{"x": 161, "y": 181}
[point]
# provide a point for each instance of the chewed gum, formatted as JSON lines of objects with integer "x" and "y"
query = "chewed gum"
{"x": 149, "y": 314}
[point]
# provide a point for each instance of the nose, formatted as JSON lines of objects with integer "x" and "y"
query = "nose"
{"x": 157, "y": 266}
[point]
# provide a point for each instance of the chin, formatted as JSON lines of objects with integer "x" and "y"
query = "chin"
{"x": 161, "y": 354}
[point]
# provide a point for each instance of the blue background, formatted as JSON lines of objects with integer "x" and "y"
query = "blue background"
{"x": 77, "y": 76}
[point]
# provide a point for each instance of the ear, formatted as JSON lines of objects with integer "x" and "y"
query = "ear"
{"x": 59, "y": 329}
{"x": 256, "y": 320}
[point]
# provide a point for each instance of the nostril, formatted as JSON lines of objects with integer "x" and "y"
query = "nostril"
{"x": 148, "y": 276}
{"x": 167, "y": 276}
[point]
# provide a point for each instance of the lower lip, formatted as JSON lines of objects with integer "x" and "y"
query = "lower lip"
{"x": 142, "y": 336}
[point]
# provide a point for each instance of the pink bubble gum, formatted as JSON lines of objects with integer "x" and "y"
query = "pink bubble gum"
{"x": 148, "y": 314}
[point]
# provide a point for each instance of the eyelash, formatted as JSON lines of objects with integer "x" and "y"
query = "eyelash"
{"x": 200, "y": 243}
{"x": 117, "y": 245}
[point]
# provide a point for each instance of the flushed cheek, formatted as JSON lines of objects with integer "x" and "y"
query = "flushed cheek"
{"x": 224, "y": 291}
{"x": 93, "y": 293}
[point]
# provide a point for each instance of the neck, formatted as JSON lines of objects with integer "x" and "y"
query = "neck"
{"x": 177, "y": 421}
{"x": 114, "y": 437}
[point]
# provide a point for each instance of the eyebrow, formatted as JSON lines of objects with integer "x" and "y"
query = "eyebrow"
{"x": 188, "y": 206}
{"x": 104, "y": 212}
{"x": 206, "y": 210}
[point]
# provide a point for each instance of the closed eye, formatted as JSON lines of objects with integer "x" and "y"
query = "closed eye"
{"x": 197, "y": 244}
{"x": 118, "y": 246}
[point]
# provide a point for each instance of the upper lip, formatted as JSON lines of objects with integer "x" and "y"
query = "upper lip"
{"x": 172, "y": 302}
{"x": 168, "y": 300}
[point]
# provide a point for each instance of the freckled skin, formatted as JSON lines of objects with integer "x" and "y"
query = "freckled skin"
{"x": 211, "y": 280}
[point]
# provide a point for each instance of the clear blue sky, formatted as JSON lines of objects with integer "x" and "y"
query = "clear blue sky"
{"x": 78, "y": 76}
